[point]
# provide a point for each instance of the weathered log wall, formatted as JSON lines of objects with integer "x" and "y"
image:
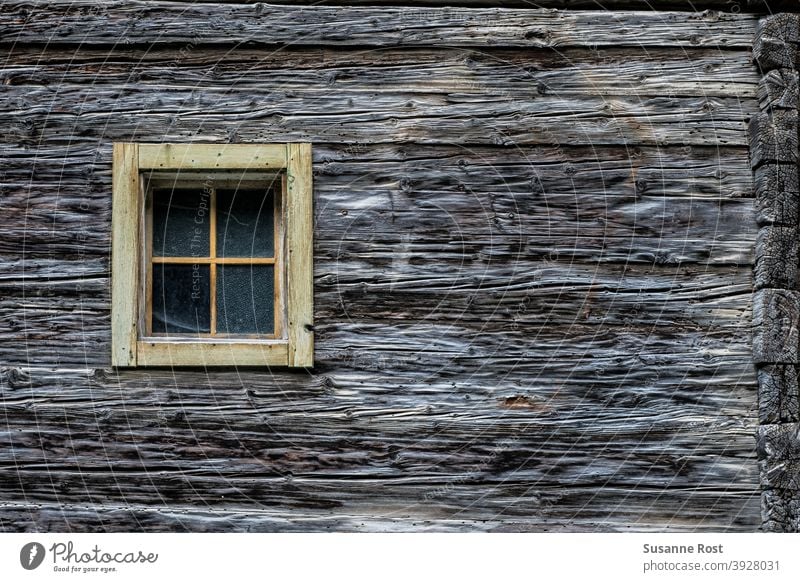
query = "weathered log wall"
{"x": 732, "y": 6}
{"x": 534, "y": 235}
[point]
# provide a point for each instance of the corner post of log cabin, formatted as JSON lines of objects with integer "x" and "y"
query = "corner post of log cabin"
{"x": 776, "y": 300}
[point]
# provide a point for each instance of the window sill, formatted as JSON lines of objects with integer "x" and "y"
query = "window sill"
{"x": 156, "y": 352}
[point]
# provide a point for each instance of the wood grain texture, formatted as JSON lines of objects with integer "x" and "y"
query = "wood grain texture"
{"x": 778, "y": 394}
{"x": 779, "y": 454}
{"x": 781, "y": 509}
{"x": 220, "y": 353}
{"x": 774, "y": 137}
{"x": 166, "y": 156}
{"x": 774, "y": 142}
{"x": 84, "y": 23}
{"x": 300, "y": 254}
{"x": 528, "y": 73}
{"x": 783, "y": 27}
{"x": 776, "y": 257}
{"x": 776, "y": 314}
{"x": 778, "y": 89}
{"x": 464, "y": 120}
{"x": 364, "y": 97}
{"x": 756, "y": 6}
{"x": 409, "y": 452}
{"x": 773, "y": 53}
{"x": 125, "y": 254}
{"x": 777, "y": 194}
{"x": 533, "y": 243}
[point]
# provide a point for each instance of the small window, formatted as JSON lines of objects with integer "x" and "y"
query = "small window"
{"x": 212, "y": 255}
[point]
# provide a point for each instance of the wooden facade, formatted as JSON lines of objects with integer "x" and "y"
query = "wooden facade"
{"x": 533, "y": 268}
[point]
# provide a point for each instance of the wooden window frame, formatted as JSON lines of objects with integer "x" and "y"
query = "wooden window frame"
{"x": 134, "y": 165}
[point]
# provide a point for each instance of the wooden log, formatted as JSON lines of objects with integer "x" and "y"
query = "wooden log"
{"x": 785, "y": 27}
{"x": 775, "y": 44}
{"x": 781, "y": 510}
{"x": 368, "y": 381}
{"x": 777, "y": 194}
{"x": 773, "y": 137}
{"x": 85, "y": 23}
{"x": 778, "y": 394}
{"x": 524, "y": 74}
{"x": 559, "y": 510}
{"x": 776, "y": 314}
{"x": 773, "y": 53}
{"x": 388, "y": 118}
{"x": 778, "y": 89}
{"x": 64, "y": 319}
{"x": 256, "y": 469}
{"x": 76, "y": 179}
{"x": 776, "y": 258}
{"x": 755, "y": 6}
{"x": 779, "y": 456}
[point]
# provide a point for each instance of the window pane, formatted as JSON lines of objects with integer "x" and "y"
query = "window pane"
{"x": 180, "y": 223}
{"x": 245, "y": 295}
{"x": 245, "y": 223}
{"x": 181, "y": 299}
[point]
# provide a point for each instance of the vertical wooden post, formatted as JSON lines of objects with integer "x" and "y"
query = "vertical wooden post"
{"x": 300, "y": 250}
{"x": 124, "y": 253}
{"x": 212, "y": 268}
{"x": 774, "y": 157}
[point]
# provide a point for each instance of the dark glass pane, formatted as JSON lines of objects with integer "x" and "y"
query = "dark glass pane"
{"x": 245, "y": 223}
{"x": 245, "y": 296}
{"x": 181, "y": 299}
{"x": 181, "y": 223}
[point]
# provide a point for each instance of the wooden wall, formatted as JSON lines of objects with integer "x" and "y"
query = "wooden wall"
{"x": 534, "y": 232}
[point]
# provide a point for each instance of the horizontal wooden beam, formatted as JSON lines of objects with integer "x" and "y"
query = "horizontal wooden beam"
{"x": 168, "y": 156}
{"x": 207, "y": 353}
{"x": 756, "y": 6}
{"x": 151, "y": 23}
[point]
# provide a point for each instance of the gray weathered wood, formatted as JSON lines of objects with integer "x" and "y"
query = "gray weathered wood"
{"x": 463, "y": 119}
{"x": 242, "y": 444}
{"x": 525, "y": 74}
{"x": 776, "y": 258}
{"x": 777, "y": 194}
{"x": 773, "y": 137}
{"x": 756, "y": 6}
{"x": 778, "y": 89}
{"x": 771, "y": 53}
{"x": 532, "y": 270}
{"x": 778, "y": 394}
{"x": 785, "y": 27}
{"x": 781, "y": 510}
{"x": 135, "y": 22}
{"x": 414, "y": 195}
{"x": 775, "y": 43}
{"x": 525, "y": 297}
{"x": 776, "y": 315}
{"x": 779, "y": 455}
